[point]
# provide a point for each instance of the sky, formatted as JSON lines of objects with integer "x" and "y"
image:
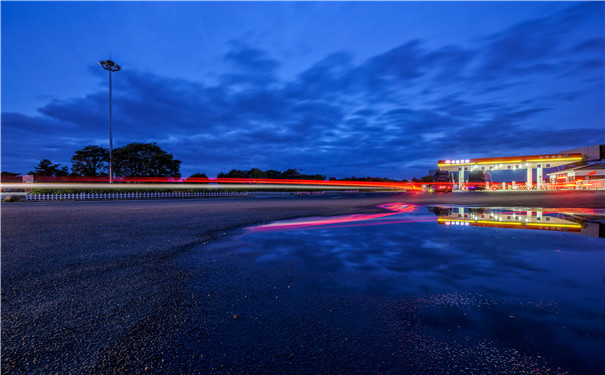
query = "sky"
{"x": 336, "y": 88}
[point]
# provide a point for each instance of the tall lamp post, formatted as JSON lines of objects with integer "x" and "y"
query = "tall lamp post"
{"x": 111, "y": 67}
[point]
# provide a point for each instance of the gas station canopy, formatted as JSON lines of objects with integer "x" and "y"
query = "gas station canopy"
{"x": 529, "y": 162}
{"x": 509, "y": 162}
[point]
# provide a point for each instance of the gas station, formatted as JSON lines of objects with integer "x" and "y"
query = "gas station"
{"x": 528, "y": 162}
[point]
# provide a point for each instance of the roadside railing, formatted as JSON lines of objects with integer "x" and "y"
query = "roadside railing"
{"x": 150, "y": 195}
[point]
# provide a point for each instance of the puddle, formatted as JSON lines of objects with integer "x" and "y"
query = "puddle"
{"x": 513, "y": 252}
{"x": 461, "y": 289}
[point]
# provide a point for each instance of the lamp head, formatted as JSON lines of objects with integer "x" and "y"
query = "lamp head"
{"x": 110, "y": 65}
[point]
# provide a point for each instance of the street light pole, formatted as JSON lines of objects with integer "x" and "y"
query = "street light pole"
{"x": 111, "y": 67}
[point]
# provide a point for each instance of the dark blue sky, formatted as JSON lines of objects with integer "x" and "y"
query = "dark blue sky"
{"x": 337, "y": 88}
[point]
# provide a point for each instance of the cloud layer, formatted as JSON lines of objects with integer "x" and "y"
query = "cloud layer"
{"x": 392, "y": 115}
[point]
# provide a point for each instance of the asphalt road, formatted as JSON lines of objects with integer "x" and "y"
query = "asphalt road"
{"x": 101, "y": 286}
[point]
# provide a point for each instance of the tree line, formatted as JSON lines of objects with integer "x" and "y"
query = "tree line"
{"x": 290, "y": 174}
{"x": 150, "y": 160}
{"x": 133, "y": 160}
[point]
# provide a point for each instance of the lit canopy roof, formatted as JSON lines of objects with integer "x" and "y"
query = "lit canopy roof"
{"x": 545, "y": 161}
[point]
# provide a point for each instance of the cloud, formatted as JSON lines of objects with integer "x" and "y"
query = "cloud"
{"x": 543, "y": 45}
{"x": 250, "y": 59}
{"x": 389, "y": 115}
{"x": 252, "y": 66}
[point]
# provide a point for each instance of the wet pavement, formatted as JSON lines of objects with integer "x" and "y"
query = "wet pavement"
{"x": 432, "y": 290}
{"x": 174, "y": 287}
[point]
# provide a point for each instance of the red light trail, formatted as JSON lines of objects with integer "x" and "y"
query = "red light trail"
{"x": 137, "y": 183}
{"x": 343, "y": 221}
{"x": 181, "y": 183}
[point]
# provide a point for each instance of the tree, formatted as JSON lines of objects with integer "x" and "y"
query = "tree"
{"x": 256, "y": 173}
{"x": 90, "y": 161}
{"x": 144, "y": 160}
{"x": 236, "y": 173}
{"x": 428, "y": 178}
{"x": 290, "y": 174}
{"x": 47, "y": 168}
{"x": 196, "y": 177}
{"x": 374, "y": 179}
{"x": 272, "y": 173}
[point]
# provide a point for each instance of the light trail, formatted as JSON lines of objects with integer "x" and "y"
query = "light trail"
{"x": 342, "y": 221}
{"x": 203, "y": 183}
{"x": 183, "y": 186}
{"x": 172, "y": 183}
{"x": 356, "y": 222}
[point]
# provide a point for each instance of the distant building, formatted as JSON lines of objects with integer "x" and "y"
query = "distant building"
{"x": 591, "y": 175}
{"x": 595, "y": 171}
{"x": 591, "y": 153}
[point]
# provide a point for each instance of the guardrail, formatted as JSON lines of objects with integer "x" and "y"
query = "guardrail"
{"x": 150, "y": 195}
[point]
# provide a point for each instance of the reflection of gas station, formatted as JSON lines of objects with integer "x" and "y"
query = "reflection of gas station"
{"x": 536, "y": 219}
{"x": 529, "y": 163}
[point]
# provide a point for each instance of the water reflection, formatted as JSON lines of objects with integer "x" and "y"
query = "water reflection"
{"x": 531, "y": 280}
{"x": 568, "y": 220}
{"x": 345, "y": 220}
{"x": 572, "y": 220}
{"x": 507, "y": 251}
